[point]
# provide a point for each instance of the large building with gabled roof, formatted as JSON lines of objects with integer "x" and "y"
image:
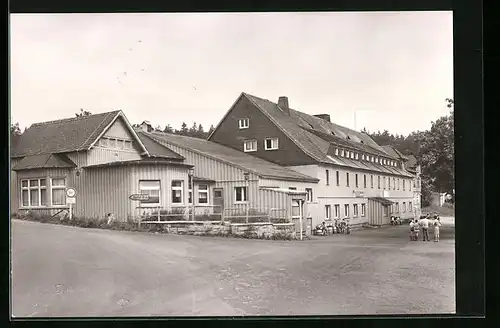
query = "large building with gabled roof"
{"x": 359, "y": 180}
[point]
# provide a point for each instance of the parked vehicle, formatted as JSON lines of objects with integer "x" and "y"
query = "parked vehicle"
{"x": 320, "y": 229}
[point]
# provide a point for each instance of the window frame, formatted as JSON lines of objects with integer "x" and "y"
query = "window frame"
{"x": 148, "y": 203}
{"x": 363, "y": 210}
{"x": 327, "y": 173}
{"x": 371, "y": 180}
{"x": 336, "y": 211}
{"x": 204, "y": 191}
{"x": 253, "y": 142}
{"x": 273, "y": 147}
{"x": 337, "y": 178}
{"x": 355, "y": 210}
{"x": 309, "y": 195}
{"x": 328, "y": 212}
{"x": 176, "y": 188}
{"x": 347, "y": 179}
{"x": 378, "y": 182}
{"x": 243, "y": 126}
{"x": 404, "y": 207}
{"x": 364, "y": 181}
{"x": 356, "y": 180}
{"x": 62, "y": 187}
{"x": 244, "y": 194}
{"x": 346, "y": 210}
{"x": 29, "y": 188}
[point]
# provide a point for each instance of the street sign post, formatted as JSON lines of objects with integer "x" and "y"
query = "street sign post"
{"x": 70, "y": 199}
{"x": 139, "y": 197}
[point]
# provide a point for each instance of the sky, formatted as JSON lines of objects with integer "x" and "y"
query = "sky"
{"x": 389, "y": 70}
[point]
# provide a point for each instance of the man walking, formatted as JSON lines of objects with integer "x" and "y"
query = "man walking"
{"x": 424, "y": 223}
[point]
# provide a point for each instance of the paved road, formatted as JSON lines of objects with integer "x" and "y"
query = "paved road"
{"x": 68, "y": 271}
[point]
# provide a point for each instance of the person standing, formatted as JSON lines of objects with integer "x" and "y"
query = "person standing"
{"x": 412, "y": 230}
{"x": 424, "y": 223}
{"x": 437, "y": 224}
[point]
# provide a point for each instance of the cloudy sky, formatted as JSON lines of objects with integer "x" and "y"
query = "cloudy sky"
{"x": 393, "y": 69}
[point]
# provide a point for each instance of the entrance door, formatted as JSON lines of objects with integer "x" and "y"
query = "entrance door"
{"x": 218, "y": 201}
{"x": 297, "y": 214}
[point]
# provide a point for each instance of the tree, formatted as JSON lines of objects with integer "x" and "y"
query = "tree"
{"x": 168, "y": 129}
{"x": 15, "y": 133}
{"x": 83, "y": 113}
{"x": 184, "y": 130}
{"x": 210, "y": 131}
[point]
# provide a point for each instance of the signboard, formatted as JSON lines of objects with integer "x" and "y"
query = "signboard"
{"x": 70, "y": 192}
{"x": 449, "y": 196}
{"x": 139, "y": 197}
{"x": 358, "y": 193}
{"x": 70, "y": 200}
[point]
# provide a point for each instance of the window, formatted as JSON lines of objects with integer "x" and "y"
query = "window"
{"x": 295, "y": 209}
{"x": 250, "y": 145}
{"x": 309, "y": 192}
{"x": 292, "y": 188}
{"x": 373, "y": 159}
{"x": 363, "y": 210}
{"x": 378, "y": 184}
{"x": 383, "y": 184}
{"x": 244, "y": 123}
{"x": 346, "y": 210}
{"x": 356, "y": 178}
{"x": 190, "y": 192}
{"x": 363, "y": 157}
{"x": 337, "y": 177}
{"x": 103, "y": 142}
{"x": 352, "y": 155}
{"x": 152, "y": 188}
{"x": 409, "y": 185}
{"x": 203, "y": 194}
{"x": 355, "y": 210}
{"x": 328, "y": 212}
{"x": 342, "y": 153}
{"x": 356, "y": 156}
{"x": 398, "y": 183}
{"x": 58, "y": 189}
{"x": 218, "y": 193}
{"x": 34, "y": 192}
{"x": 404, "y": 207}
{"x": 371, "y": 180}
{"x": 393, "y": 183}
{"x": 336, "y": 152}
{"x": 397, "y": 207}
{"x": 240, "y": 194}
{"x": 337, "y": 211}
{"x": 177, "y": 192}
{"x": 327, "y": 177}
{"x": 389, "y": 183}
{"x": 364, "y": 180}
{"x": 410, "y": 207}
{"x": 271, "y": 143}
{"x": 347, "y": 153}
{"x": 404, "y": 184}
{"x": 347, "y": 178}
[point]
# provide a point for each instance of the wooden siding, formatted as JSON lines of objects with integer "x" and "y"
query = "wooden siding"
{"x": 79, "y": 158}
{"x": 119, "y": 130}
{"x": 37, "y": 173}
{"x": 229, "y": 134}
{"x": 14, "y": 187}
{"x": 98, "y": 155}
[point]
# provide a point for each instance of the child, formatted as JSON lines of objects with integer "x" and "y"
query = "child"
{"x": 437, "y": 224}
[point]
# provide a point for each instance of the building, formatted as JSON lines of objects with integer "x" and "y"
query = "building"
{"x": 358, "y": 178}
{"x": 102, "y": 158}
{"x": 235, "y": 181}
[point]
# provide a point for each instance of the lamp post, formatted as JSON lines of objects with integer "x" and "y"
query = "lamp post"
{"x": 246, "y": 175}
{"x": 191, "y": 174}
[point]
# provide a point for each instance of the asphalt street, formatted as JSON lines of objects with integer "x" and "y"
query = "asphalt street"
{"x": 69, "y": 271}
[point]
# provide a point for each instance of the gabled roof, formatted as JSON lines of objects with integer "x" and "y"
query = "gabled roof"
{"x": 44, "y": 161}
{"x": 142, "y": 161}
{"x": 314, "y": 135}
{"x": 231, "y": 156}
{"x": 155, "y": 149}
{"x": 67, "y": 135}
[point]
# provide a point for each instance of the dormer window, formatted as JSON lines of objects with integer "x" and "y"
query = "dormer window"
{"x": 363, "y": 157}
{"x": 361, "y": 141}
{"x": 342, "y": 153}
{"x": 373, "y": 159}
{"x": 250, "y": 145}
{"x": 376, "y": 160}
{"x": 336, "y": 152}
{"x": 347, "y": 153}
{"x": 356, "y": 156}
{"x": 348, "y": 138}
{"x": 271, "y": 143}
{"x": 352, "y": 155}
{"x": 244, "y": 123}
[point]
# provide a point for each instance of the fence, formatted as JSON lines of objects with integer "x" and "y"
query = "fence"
{"x": 253, "y": 215}
{"x": 180, "y": 213}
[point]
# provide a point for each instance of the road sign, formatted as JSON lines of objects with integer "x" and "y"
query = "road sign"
{"x": 139, "y": 197}
{"x": 449, "y": 196}
{"x": 70, "y": 200}
{"x": 70, "y": 192}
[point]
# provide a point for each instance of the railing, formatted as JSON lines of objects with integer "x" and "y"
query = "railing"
{"x": 180, "y": 213}
{"x": 253, "y": 215}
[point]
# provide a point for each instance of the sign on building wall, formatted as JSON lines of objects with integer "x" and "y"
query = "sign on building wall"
{"x": 358, "y": 193}
{"x": 139, "y": 197}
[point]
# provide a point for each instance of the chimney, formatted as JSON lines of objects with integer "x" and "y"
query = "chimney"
{"x": 325, "y": 117}
{"x": 146, "y": 126}
{"x": 283, "y": 104}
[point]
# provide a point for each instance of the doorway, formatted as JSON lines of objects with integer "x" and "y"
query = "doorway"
{"x": 218, "y": 200}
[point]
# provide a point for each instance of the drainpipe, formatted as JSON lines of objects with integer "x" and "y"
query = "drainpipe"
{"x": 246, "y": 174}
{"x": 300, "y": 217}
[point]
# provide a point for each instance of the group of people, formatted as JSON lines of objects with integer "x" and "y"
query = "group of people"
{"x": 425, "y": 223}
{"x": 337, "y": 226}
